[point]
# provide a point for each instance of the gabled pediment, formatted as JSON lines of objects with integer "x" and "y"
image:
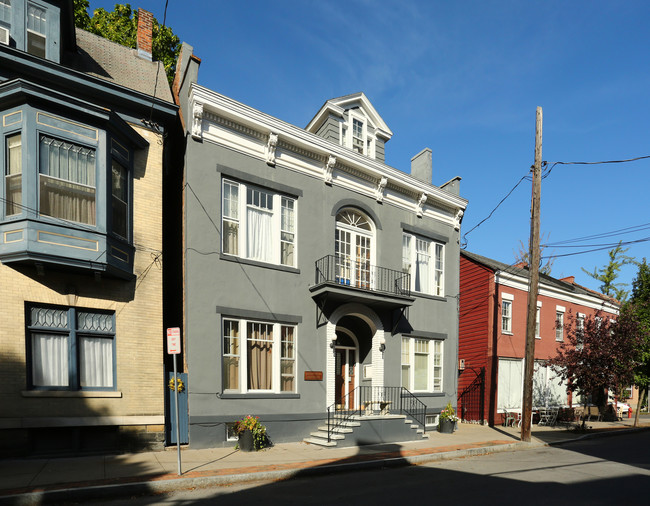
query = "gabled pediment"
{"x": 340, "y": 105}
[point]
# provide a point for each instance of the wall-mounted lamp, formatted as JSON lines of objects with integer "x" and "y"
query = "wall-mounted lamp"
{"x": 382, "y": 344}
{"x": 461, "y": 364}
{"x": 333, "y": 341}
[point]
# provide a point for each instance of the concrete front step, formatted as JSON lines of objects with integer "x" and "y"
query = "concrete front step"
{"x": 318, "y": 441}
{"x": 323, "y": 435}
{"x": 340, "y": 430}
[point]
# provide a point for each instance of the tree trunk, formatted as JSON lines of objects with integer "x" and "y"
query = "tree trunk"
{"x": 642, "y": 395}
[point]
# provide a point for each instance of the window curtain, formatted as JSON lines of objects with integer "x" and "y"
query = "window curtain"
{"x": 259, "y": 241}
{"x": 421, "y": 365}
{"x": 67, "y": 181}
{"x": 96, "y": 362}
{"x": 510, "y": 384}
{"x": 422, "y": 267}
{"x": 14, "y": 175}
{"x": 260, "y": 356}
{"x": 49, "y": 360}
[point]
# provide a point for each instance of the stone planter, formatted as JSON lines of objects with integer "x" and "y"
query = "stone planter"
{"x": 446, "y": 426}
{"x": 246, "y": 443}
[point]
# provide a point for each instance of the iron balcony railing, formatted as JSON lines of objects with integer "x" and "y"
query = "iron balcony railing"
{"x": 345, "y": 271}
{"x": 367, "y": 400}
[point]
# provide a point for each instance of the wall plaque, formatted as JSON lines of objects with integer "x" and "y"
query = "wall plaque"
{"x": 313, "y": 375}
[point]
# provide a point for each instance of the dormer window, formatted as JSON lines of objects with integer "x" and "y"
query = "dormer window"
{"x": 36, "y": 37}
{"x": 357, "y": 136}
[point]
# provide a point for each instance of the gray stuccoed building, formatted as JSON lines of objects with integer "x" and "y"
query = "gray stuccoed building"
{"x": 319, "y": 283}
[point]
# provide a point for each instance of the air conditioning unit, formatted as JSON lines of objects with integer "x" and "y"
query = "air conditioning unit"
{"x": 4, "y": 35}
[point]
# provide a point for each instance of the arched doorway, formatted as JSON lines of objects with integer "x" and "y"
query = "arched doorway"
{"x": 354, "y": 248}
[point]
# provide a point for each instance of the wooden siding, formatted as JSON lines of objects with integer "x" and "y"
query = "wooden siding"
{"x": 475, "y": 323}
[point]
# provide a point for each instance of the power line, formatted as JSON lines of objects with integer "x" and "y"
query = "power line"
{"x": 627, "y": 230}
{"x": 464, "y": 245}
{"x": 627, "y": 160}
{"x": 609, "y": 246}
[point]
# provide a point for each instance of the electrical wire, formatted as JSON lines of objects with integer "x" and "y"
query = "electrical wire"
{"x": 613, "y": 233}
{"x": 464, "y": 244}
{"x": 627, "y": 160}
{"x": 606, "y": 247}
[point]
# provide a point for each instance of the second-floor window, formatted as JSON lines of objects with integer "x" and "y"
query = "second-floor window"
{"x": 506, "y": 316}
{"x": 423, "y": 259}
{"x": 559, "y": 326}
{"x": 537, "y": 315}
{"x": 13, "y": 175}
{"x": 67, "y": 180}
{"x": 258, "y": 224}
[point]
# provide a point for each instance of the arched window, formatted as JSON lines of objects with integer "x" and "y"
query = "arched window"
{"x": 354, "y": 243}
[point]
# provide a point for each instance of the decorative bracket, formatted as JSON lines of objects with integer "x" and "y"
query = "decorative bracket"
{"x": 458, "y": 219}
{"x": 420, "y": 204}
{"x": 329, "y": 169}
{"x": 271, "y": 146}
{"x": 197, "y": 120}
{"x": 379, "y": 192}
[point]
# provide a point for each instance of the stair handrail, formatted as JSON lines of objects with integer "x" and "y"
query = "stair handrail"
{"x": 414, "y": 408}
{"x": 337, "y": 417}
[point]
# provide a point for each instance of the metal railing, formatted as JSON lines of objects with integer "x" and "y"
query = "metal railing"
{"x": 471, "y": 402}
{"x": 345, "y": 271}
{"x": 367, "y": 400}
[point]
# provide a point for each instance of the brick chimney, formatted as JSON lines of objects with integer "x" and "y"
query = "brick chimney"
{"x": 569, "y": 279}
{"x": 422, "y": 166}
{"x": 145, "y": 30}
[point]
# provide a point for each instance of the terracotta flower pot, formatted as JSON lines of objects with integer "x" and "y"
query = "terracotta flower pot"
{"x": 246, "y": 443}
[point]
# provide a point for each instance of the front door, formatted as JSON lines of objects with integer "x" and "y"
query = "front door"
{"x": 344, "y": 377}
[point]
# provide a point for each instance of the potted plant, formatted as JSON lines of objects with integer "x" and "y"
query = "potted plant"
{"x": 447, "y": 420}
{"x": 251, "y": 433}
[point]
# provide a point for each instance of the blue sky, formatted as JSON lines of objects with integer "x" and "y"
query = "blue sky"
{"x": 463, "y": 78}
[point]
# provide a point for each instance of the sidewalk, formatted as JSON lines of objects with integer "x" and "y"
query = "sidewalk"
{"x": 39, "y": 480}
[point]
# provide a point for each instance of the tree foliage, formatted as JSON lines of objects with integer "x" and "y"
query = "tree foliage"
{"x": 522, "y": 255}
{"x": 608, "y": 274}
{"x": 602, "y": 354}
{"x": 639, "y": 309}
{"x": 121, "y": 26}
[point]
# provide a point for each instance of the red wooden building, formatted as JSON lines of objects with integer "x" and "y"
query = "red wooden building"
{"x": 492, "y": 335}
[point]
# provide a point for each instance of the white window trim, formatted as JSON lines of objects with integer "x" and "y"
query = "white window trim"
{"x": 432, "y": 343}
{"x": 276, "y": 220}
{"x": 276, "y": 377}
{"x": 506, "y": 303}
{"x": 436, "y": 290}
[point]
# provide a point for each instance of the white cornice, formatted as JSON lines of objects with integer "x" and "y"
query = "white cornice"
{"x": 264, "y": 123}
{"x": 521, "y": 283}
{"x": 328, "y": 107}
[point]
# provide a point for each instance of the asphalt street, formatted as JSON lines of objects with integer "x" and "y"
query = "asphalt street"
{"x": 609, "y": 470}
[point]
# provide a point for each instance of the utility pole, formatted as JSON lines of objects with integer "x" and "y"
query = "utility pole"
{"x": 533, "y": 285}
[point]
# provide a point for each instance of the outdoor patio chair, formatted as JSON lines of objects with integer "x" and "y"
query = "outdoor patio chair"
{"x": 508, "y": 419}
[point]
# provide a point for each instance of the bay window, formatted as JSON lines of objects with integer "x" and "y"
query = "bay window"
{"x": 71, "y": 348}
{"x": 258, "y": 356}
{"x": 423, "y": 259}
{"x": 258, "y": 224}
{"x": 422, "y": 364}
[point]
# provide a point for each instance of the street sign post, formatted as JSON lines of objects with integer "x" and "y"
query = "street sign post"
{"x": 174, "y": 348}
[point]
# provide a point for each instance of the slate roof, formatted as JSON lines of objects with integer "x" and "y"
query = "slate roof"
{"x": 545, "y": 279}
{"x": 119, "y": 64}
